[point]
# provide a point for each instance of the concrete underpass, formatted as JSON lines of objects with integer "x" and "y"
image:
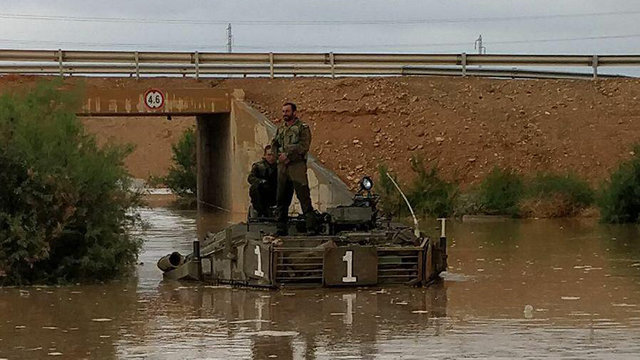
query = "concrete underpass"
{"x": 230, "y": 137}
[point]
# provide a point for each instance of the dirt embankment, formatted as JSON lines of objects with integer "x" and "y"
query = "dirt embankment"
{"x": 464, "y": 126}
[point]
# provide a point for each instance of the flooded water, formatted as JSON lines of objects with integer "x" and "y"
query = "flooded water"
{"x": 521, "y": 289}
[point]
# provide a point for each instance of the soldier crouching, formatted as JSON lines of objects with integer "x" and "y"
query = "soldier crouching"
{"x": 263, "y": 181}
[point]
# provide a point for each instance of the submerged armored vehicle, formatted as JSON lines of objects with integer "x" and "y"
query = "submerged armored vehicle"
{"x": 353, "y": 247}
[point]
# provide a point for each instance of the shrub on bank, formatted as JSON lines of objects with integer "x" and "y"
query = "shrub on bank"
{"x": 619, "y": 199}
{"x": 428, "y": 194}
{"x": 504, "y": 192}
{"x": 391, "y": 202}
{"x": 556, "y": 195}
{"x": 64, "y": 202}
{"x": 182, "y": 176}
{"x": 500, "y": 192}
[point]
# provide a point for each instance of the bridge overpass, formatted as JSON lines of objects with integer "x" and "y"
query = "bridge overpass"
{"x": 230, "y": 137}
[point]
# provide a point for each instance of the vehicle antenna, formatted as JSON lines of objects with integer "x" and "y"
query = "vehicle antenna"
{"x": 416, "y": 230}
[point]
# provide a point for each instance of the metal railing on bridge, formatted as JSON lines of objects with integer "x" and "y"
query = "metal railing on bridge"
{"x": 196, "y": 64}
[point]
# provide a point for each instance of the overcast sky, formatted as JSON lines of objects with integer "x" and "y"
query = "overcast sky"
{"x": 427, "y": 26}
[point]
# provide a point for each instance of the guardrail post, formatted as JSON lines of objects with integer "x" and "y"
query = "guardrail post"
{"x": 197, "y": 62}
{"x": 594, "y": 65}
{"x": 333, "y": 65}
{"x": 60, "y": 67}
{"x": 137, "y": 59}
{"x": 271, "y": 65}
{"x": 464, "y": 64}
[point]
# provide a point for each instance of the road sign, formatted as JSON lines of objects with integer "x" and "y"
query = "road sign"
{"x": 154, "y": 99}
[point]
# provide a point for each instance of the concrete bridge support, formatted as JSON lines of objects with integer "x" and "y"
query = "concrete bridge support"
{"x": 215, "y": 162}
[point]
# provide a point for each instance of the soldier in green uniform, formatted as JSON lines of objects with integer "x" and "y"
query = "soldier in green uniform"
{"x": 291, "y": 145}
{"x": 263, "y": 181}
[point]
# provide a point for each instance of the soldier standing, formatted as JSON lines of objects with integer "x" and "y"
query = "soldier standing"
{"x": 291, "y": 145}
{"x": 263, "y": 179}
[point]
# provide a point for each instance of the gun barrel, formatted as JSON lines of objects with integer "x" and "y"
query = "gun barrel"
{"x": 170, "y": 261}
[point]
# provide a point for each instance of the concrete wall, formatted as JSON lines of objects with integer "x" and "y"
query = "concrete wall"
{"x": 250, "y": 132}
{"x": 215, "y": 161}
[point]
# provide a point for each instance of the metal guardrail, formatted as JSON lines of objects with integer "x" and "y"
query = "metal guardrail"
{"x": 134, "y": 63}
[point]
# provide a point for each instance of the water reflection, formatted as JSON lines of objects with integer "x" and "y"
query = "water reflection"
{"x": 515, "y": 289}
{"x": 295, "y": 322}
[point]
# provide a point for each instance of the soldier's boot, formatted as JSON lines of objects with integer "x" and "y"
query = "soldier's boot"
{"x": 261, "y": 209}
{"x": 311, "y": 223}
{"x": 282, "y": 227}
{"x": 256, "y": 201}
{"x": 281, "y": 230}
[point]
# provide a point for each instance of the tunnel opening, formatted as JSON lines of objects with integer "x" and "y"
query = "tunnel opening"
{"x": 214, "y": 157}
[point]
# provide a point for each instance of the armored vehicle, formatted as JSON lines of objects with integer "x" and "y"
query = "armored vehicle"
{"x": 353, "y": 246}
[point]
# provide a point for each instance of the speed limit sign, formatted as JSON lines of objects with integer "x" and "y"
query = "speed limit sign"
{"x": 154, "y": 99}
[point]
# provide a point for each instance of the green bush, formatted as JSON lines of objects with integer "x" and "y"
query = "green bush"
{"x": 500, "y": 192}
{"x": 427, "y": 194}
{"x": 576, "y": 189}
{"x": 182, "y": 176}
{"x": 468, "y": 203}
{"x": 391, "y": 203}
{"x": 556, "y": 195}
{"x": 619, "y": 200}
{"x": 64, "y": 202}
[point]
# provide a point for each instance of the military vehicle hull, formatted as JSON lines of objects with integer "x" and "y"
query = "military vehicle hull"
{"x": 244, "y": 255}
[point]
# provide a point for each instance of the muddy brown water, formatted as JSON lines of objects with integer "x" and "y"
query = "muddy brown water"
{"x": 515, "y": 289}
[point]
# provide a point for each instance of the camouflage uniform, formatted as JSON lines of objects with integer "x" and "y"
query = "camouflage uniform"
{"x": 294, "y": 141}
{"x": 263, "y": 179}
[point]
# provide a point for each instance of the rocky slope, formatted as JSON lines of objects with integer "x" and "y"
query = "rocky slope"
{"x": 462, "y": 126}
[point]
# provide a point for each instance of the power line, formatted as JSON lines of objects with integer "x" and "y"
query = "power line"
{"x": 627, "y": 36}
{"x": 309, "y": 22}
{"x": 96, "y": 44}
{"x": 317, "y": 46}
{"x": 601, "y": 37}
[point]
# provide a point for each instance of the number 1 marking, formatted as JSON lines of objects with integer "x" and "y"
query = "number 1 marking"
{"x": 348, "y": 315}
{"x": 258, "y": 272}
{"x": 348, "y": 258}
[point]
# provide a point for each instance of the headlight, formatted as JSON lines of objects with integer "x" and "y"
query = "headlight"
{"x": 366, "y": 183}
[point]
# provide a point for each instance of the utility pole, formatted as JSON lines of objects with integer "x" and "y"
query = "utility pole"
{"x": 478, "y": 45}
{"x": 229, "y": 38}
